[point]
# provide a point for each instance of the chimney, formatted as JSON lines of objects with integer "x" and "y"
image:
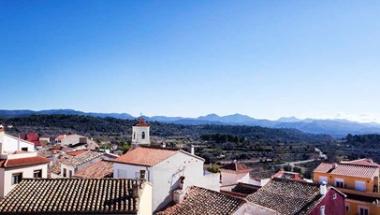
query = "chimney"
{"x": 163, "y": 145}
{"x": 179, "y": 194}
{"x": 335, "y": 165}
{"x": 192, "y": 150}
{"x": 323, "y": 188}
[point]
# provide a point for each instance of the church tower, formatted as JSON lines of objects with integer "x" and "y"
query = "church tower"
{"x": 140, "y": 133}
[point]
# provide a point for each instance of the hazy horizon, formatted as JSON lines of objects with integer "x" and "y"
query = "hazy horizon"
{"x": 264, "y": 59}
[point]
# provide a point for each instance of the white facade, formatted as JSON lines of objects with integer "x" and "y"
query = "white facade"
{"x": 140, "y": 135}
{"x": 13, "y": 148}
{"x": 165, "y": 176}
{"x": 10, "y": 144}
{"x": 6, "y": 176}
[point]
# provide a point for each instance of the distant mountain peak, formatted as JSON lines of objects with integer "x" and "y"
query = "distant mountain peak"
{"x": 334, "y": 127}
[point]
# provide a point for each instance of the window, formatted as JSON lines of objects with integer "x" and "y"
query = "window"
{"x": 347, "y": 209}
{"x": 363, "y": 211}
{"x": 335, "y": 196}
{"x": 64, "y": 172}
{"x": 360, "y": 185}
{"x": 37, "y": 173}
{"x": 142, "y": 174}
{"x": 16, "y": 178}
{"x": 134, "y": 135}
{"x": 24, "y": 149}
{"x": 143, "y": 135}
{"x": 339, "y": 183}
{"x": 70, "y": 173}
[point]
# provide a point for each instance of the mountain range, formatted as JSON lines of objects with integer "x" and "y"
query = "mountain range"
{"x": 333, "y": 127}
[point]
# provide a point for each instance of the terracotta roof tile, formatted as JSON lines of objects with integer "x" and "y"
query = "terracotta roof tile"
{"x": 237, "y": 167}
{"x": 364, "y": 162}
{"x": 349, "y": 169}
{"x": 77, "y": 152}
{"x": 288, "y": 175}
{"x": 356, "y": 170}
{"x": 82, "y": 158}
{"x": 97, "y": 170}
{"x": 71, "y": 196}
{"x": 202, "y": 201}
{"x": 323, "y": 167}
{"x": 141, "y": 122}
{"x": 286, "y": 196}
{"x": 146, "y": 156}
{"x": 30, "y": 161}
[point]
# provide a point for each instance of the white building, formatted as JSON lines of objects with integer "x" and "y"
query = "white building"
{"x": 71, "y": 164}
{"x": 18, "y": 160}
{"x": 166, "y": 169}
{"x": 235, "y": 173}
{"x": 140, "y": 133}
{"x": 76, "y": 142}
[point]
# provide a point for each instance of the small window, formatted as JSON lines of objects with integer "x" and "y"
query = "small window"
{"x": 16, "y": 178}
{"x": 24, "y": 149}
{"x": 347, "y": 209}
{"x": 363, "y": 211}
{"x": 142, "y": 174}
{"x": 64, "y": 172}
{"x": 70, "y": 173}
{"x": 143, "y": 135}
{"x": 134, "y": 135}
{"x": 360, "y": 186}
{"x": 37, "y": 173}
{"x": 339, "y": 184}
{"x": 334, "y": 196}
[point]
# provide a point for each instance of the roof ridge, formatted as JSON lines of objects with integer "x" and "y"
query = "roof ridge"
{"x": 218, "y": 193}
{"x": 296, "y": 181}
{"x": 355, "y": 164}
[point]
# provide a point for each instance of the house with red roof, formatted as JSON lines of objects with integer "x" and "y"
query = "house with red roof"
{"x": 358, "y": 179}
{"x": 32, "y": 137}
{"x": 18, "y": 160}
{"x": 233, "y": 173}
{"x": 168, "y": 170}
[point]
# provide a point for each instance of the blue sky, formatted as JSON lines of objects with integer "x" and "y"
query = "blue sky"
{"x": 266, "y": 59}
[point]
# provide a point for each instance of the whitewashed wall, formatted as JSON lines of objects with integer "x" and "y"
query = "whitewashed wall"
{"x": 27, "y": 172}
{"x": 10, "y": 144}
{"x": 129, "y": 171}
{"x": 166, "y": 174}
{"x": 137, "y": 135}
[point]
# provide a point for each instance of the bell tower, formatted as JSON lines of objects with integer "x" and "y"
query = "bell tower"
{"x": 140, "y": 133}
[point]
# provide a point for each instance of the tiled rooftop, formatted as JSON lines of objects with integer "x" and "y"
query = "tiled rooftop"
{"x": 97, "y": 170}
{"x": 237, "y": 167}
{"x": 202, "y": 201}
{"x": 82, "y": 158}
{"x": 349, "y": 169}
{"x": 146, "y": 156}
{"x": 19, "y": 162}
{"x": 364, "y": 162}
{"x": 76, "y": 153}
{"x": 71, "y": 196}
{"x": 286, "y": 196}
